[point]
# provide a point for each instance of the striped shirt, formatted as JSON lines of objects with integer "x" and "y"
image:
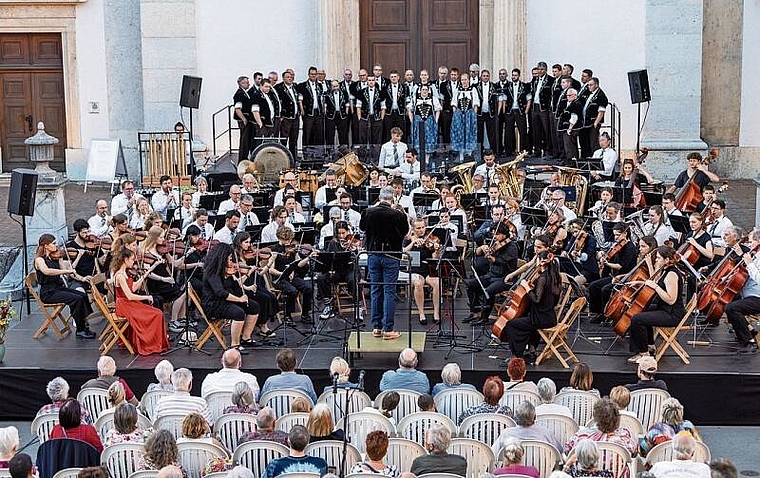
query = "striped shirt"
{"x": 182, "y": 403}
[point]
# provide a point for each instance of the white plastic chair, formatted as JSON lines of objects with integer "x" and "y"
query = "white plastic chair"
{"x": 121, "y": 459}
{"x": 95, "y": 400}
{"x": 145, "y": 474}
{"x": 218, "y": 474}
{"x": 230, "y": 427}
{"x": 453, "y": 402}
{"x": 407, "y": 403}
{"x": 561, "y": 426}
{"x": 5, "y": 473}
{"x": 361, "y": 423}
{"x": 614, "y": 458}
{"x": 256, "y": 454}
{"x": 414, "y": 426}
{"x": 664, "y": 452}
{"x": 332, "y": 452}
{"x": 193, "y": 456}
{"x": 289, "y": 420}
{"x": 104, "y": 423}
{"x": 540, "y": 454}
{"x": 68, "y": 473}
{"x": 299, "y": 475}
{"x": 512, "y": 398}
{"x": 217, "y": 402}
{"x": 402, "y": 452}
{"x": 358, "y": 401}
{"x": 281, "y": 399}
{"x": 439, "y": 475}
{"x": 171, "y": 422}
{"x": 647, "y": 405}
{"x": 629, "y": 422}
{"x": 149, "y": 401}
{"x": 479, "y": 456}
{"x": 43, "y": 425}
{"x": 580, "y": 403}
{"x": 485, "y": 427}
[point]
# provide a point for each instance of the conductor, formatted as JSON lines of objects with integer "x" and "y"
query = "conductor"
{"x": 385, "y": 228}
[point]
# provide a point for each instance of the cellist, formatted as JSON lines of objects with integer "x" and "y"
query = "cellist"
{"x": 699, "y": 242}
{"x": 748, "y": 303}
{"x": 697, "y": 170}
{"x": 667, "y": 308}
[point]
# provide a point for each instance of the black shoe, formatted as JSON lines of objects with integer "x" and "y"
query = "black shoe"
{"x": 598, "y": 319}
{"x": 248, "y": 343}
{"x": 241, "y": 349}
{"x": 267, "y": 335}
{"x": 707, "y": 323}
{"x": 530, "y": 358}
{"x": 423, "y": 321}
{"x": 85, "y": 334}
{"x": 471, "y": 317}
{"x": 749, "y": 348}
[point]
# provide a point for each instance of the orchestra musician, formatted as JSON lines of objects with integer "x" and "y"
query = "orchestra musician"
{"x": 161, "y": 284}
{"x": 185, "y": 211}
{"x": 483, "y": 235}
{"x": 608, "y": 156}
{"x": 192, "y": 261}
{"x": 290, "y": 179}
{"x": 250, "y": 184}
{"x": 247, "y": 216}
{"x": 373, "y": 178}
{"x": 578, "y": 259}
{"x": 429, "y": 248}
{"x": 409, "y": 169}
{"x": 512, "y": 214}
{"x": 89, "y": 259}
{"x": 494, "y": 197}
{"x": 600, "y": 206}
{"x": 668, "y": 307}
{"x": 278, "y": 218}
{"x": 449, "y": 244}
{"x": 225, "y": 296}
{"x": 249, "y": 259}
{"x": 232, "y": 203}
{"x": 619, "y": 260}
{"x": 627, "y": 176}
{"x": 231, "y": 223}
{"x": 201, "y": 189}
{"x": 53, "y": 288}
{"x": 451, "y": 203}
{"x": 699, "y": 239}
{"x": 657, "y": 227}
{"x": 331, "y": 182}
{"x": 718, "y": 222}
{"x": 399, "y": 198}
{"x": 164, "y": 198}
{"x": 328, "y": 230}
{"x": 697, "y": 170}
{"x": 125, "y": 202}
{"x": 708, "y": 196}
{"x": 201, "y": 222}
{"x": 392, "y": 152}
{"x": 347, "y": 213}
{"x": 137, "y": 223}
{"x": 748, "y": 302}
{"x": 100, "y": 223}
{"x": 120, "y": 226}
{"x": 285, "y": 253}
{"x": 291, "y": 207}
{"x": 345, "y": 274}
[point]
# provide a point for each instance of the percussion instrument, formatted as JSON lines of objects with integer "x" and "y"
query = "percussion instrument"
{"x": 351, "y": 168}
{"x": 269, "y": 159}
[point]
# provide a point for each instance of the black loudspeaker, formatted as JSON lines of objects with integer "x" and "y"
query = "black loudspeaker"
{"x": 191, "y": 92}
{"x": 23, "y": 192}
{"x": 638, "y": 82}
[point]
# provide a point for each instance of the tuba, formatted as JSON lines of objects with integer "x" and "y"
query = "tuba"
{"x": 464, "y": 174}
{"x": 570, "y": 177}
{"x": 509, "y": 185}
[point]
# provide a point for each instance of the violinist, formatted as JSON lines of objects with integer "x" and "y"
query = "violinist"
{"x": 578, "y": 259}
{"x": 86, "y": 257}
{"x": 484, "y": 235}
{"x": 554, "y": 229}
{"x": 147, "y": 328}
{"x": 142, "y": 210}
{"x": 250, "y": 258}
{"x": 657, "y": 227}
{"x": 339, "y": 243}
{"x": 100, "y": 223}
{"x": 558, "y": 203}
{"x": 53, "y": 289}
{"x": 328, "y": 230}
{"x": 278, "y": 219}
{"x": 153, "y": 219}
{"x": 708, "y": 196}
{"x": 512, "y": 214}
{"x": 192, "y": 260}
{"x": 501, "y": 255}
{"x": 667, "y": 308}
{"x": 543, "y": 295}
{"x": 698, "y": 171}
{"x": 699, "y": 240}
{"x": 161, "y": 284}
{"x": 120, "y": 226}
{"x": 619, "y": 260}
{"x": 224, "y": 296}
{"x": 748, "y": 302}
{"x": 429, "y": 247}
{"x": 719, "y": 222}
{"x": 285, "y": 253}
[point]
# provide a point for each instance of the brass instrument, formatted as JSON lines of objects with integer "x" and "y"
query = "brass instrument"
{"x": 509, "y": 185}
{"x": 570, "y": 177}
{"x": 636, "y": 222}
{"x": 464, "y": 174}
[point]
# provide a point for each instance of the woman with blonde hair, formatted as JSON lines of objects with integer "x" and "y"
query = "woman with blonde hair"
{"x": 340, "y": 367}
{"x": 142, "y": 210}
{"x": 672, "y": 424}
{"x": 320, "y": 424}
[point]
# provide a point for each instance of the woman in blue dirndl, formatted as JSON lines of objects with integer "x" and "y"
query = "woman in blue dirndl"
{"x": 464, "y": 124}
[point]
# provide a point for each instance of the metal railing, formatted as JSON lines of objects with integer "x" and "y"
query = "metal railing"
{"x": 225, "y": 116}
{"x": 614, "y": 127}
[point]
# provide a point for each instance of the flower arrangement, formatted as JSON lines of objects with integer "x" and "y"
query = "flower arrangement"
{"x": 7, "y": 312}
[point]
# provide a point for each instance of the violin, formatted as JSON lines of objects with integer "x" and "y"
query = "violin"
{"x": 351, "y": 243}
{"x": 56, "y": 255}
{"x": 174, "y": 247}
{"x": 204, "y": 245}
{"x": 604, "y": 257}
{"x": 140, "y": 235}
{"x": 580, "y": 243}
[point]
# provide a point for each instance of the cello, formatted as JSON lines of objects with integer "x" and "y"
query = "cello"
{"x": 617, "y": 303}
{"x": 640, "y": 298}
{"x": 722, "y": 285}
{"x": 690, "y": 195}
{"x": 518, "y": 298}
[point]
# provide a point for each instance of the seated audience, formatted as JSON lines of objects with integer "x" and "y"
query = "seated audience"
{"x": 581, "y": 380}
{"x": 621, "y": 397}
{"x": 606, "y": 428}
{"x": 93, "y": 472}
{"x": 160, "y": 451}
{"x": 584, "y": 461}
{"x": 389, "y": 403}
{"x": 513, "y": 457}
{"x": 265, "y": 421}
{"x": 243, "y": 400}
{"x": 425, "y": 403}
{"x": 9, "y": 442}
{"x": 172, "y": 471}
{"x": 58, "y": 391}
{"x": 683, "y": 463}
{"x": 320, "y": 424}
{"x": 722, "y": 468}
{"x": 438, "y": 460}
{"x": 516, "y": 371}
{"x": 547, "y": 390}
{"x": 646, "y": 372}
{"x": 297, "y": 461}
{"x": 21, "y": 466}
{"x": 406, "y": 377}
{"x": 493, "y": 389}
{"x": 70, "y": 425}
{"x": 526, "y": 429}
{"x": 163, "y": 373}
{"x": 376, "y": 444}
{"x": 116, "y": 395}
{"x": 288, "y": 378}
{"x": 107, "y": 376}
{"x": 339, "y": 366}
{"x": 225, "y": 379}
{"x": 125, "y": 427}
{"x": 196, "y": 429}
{"x": 451, "y": 377}
{"x": 301, "y": 405}
{"x": 672, "y": 424}
{"x": 181, "y": 402}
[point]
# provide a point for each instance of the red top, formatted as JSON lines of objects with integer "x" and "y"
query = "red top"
{"x": 85, "y": 433}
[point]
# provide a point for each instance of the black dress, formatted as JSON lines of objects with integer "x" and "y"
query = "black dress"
{"x": 660, "y": 314}
{"x": 541, "y": 315}
{"x": 53, "y": 290}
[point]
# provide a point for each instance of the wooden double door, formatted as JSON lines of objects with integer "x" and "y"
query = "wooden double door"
{"x": 31, "y": 90}
{"x": 417, "y": 34}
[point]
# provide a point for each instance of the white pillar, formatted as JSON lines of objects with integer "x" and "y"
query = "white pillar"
{"x": 339, "y": 27}
{"x": 510, "y": 36}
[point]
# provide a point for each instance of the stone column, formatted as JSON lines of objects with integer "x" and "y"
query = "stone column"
{"x": 510, "y": 36}
{"x": 673, "y": 41}
{"x": 339, "y": 27}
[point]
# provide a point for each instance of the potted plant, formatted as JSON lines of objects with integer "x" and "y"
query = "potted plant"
{"x": 6, "y": 314}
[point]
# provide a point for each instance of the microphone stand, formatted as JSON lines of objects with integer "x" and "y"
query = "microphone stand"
{"x": 346, "y": 411}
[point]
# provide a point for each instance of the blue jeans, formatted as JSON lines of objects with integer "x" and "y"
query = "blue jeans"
{"x": 383, "y": 296}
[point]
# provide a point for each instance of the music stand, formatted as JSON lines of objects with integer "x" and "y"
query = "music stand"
{"x": 373, "y": 195}
{"x": 534, "y": 216}
{"x": 262, "y": 212}
{"x": 607, "y": 227}
{"x": 424, "y": 201}
{"x": 679, "y": 224}
{"x": 210, "y": 202}
{"x": 330, "y": 195}
{"x": 305, "y": 199}
{"x": 330, "y": 263}
{"x": 469, "y": 201}
{"x": 255, "y": 231}
{"x": 260, "y": 199}
{"x": 590, "y": 164}
{"x": 359, "y": 193}
{"x": 217, "y": 221}
{"x": 652, "y": 197}
{"x": 306, "y": 235}
{"x": 622, "y": 195}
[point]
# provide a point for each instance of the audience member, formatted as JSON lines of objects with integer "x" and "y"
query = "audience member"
{"x": 181, "y": 402}
{"x": 125, "y": 427}
{"x": 451, "y": 377}
{"x": 606, "y": 428}
{"x": 196, "y": 429}
{"x": 265, "y": 421}
{"x": 425, "y": 403}
{"x": 682, "y": 464}
{"x": 70, "y": 425}
{"x": 243, "y": 400}
{"x": 20, "y": 466}
{"x": 581, "y": 380}
{"x": 320, "y": 424}
{"x": 288, "y": 378}
{"x": 547, "y": 390}
{"x": 163, "y": 373}
{"x": 297, "y": 461}
{"x": 493, "y": 389}
{"x": 160, "y": 451}
{"x": 438, "y": 460}
{"x": 722, "y": 468}
{"x": 107, "y": 376}
{"x": 339, "y": 366}
{"x": 671, "y": 425}
{"x": 58, "y": 391}
{"x": 301, "y": 405}
{"x": 116, "y": 395}
{"x": 646, "y": 372}
{"x": 584, "y": 461}
{"x": 516, "y": 371}
{"x": 513, "y": 458}
{"x": 389, "y": 403}
{"x": 173, "y": 471}
{"x": 621, "y": 397}
{"x": 376, "y": 443}
{"x": 93, "y": 472}
{"x": 406, "y": 377}
{"x": 9, "y": 442}
{"x": 526, "y": 429}
{"x": 225, "y": 379}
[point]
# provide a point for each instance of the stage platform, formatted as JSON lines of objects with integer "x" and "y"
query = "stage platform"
{"x": 717, "y": 388}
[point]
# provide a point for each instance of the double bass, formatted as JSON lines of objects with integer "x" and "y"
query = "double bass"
{"x": 518, "y": 298}
{"x": 722, "y": 285}
{"x": 690, "y": 195}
